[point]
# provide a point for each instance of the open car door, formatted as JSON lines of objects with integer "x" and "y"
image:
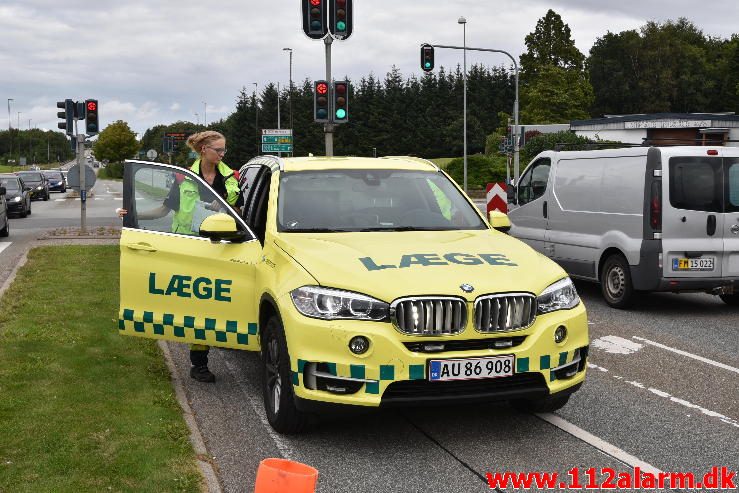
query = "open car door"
{"x": 187, "y": 263}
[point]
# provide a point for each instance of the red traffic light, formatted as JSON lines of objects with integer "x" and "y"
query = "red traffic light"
{"x": 92, "y": 106}
{"x": 315, "y": 3}
{"x": 321, "y": 88}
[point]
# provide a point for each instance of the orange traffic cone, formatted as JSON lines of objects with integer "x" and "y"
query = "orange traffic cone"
{"x": 285, "y": 476}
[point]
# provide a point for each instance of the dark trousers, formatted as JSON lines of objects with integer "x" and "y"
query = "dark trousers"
{"x": 199, "y": 355}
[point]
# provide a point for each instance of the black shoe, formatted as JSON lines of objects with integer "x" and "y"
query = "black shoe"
{"x": 202, "y": 374}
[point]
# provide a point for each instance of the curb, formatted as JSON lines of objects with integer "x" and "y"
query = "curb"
{"x": 13, "y": 273}
{"x": 196, "y": 438}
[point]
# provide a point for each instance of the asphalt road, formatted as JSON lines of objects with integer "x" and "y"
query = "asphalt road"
{"x": 653, "y": 406}
{"x": 62, "y": 210}
{"x": 662, "y": 392}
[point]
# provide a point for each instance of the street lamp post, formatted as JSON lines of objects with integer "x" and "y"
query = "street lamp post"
{"x": 290, "y": 92}
{"x": 197, "y": 118}
{"x": 256, "y": 118}
{"x": 463, "y": 21}
{"x": 29, "y": 137}
{"x": 10, "y": 135}
{"x": 205, "y": 113}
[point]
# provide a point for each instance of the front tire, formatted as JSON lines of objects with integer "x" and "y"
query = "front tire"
{"x": 46, "y": 197}
{"x": 615, "y": 282}
{"x": 277, "y": 387}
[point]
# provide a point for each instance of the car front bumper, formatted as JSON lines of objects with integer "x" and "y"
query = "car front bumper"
{"x": 324, "y": 370}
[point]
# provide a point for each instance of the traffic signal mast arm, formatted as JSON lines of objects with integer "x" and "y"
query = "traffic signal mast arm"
{"x": 515, "y": 103}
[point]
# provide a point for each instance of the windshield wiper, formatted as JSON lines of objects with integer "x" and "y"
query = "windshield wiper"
{"x": 319, "y": 230}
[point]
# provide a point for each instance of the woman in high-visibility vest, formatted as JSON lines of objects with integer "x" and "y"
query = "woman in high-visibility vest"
{"x": 182, "y": 199}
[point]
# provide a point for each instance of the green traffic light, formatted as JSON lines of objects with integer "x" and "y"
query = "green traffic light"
{"x": 341, "y": 113}
{"x": 428, "y": 64}
{"x": 341, "y": 26}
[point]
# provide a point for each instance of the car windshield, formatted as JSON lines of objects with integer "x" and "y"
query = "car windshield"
{"x": 372, "y": 200}
{"x": 54, "y": 175}
{"x": 30, "y": 176}
{"x": 9, "y": 183}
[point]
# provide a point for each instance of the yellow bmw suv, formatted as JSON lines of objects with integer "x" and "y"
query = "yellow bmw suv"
{"x": 361, "y": 281}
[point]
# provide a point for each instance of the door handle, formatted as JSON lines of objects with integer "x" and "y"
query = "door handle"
{"x": 735, "y": 229}
{"x": 711, "y": 225}
{"x": 141, "y": 246}
{"x": 545, "y": 209}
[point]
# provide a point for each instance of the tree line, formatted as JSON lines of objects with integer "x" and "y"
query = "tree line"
{"x": 37, "y": 146}
{"x": 662, "y": 67}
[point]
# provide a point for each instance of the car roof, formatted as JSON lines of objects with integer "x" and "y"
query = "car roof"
{"x": 352, "y": 162}
{"x": 8, "y": 175}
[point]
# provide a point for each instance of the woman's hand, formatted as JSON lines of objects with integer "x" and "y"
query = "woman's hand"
{"x": 121, "y": 212}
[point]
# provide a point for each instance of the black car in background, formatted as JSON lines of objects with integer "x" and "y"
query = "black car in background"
{"x": 17, "y": 194}
{"x": 56, "y": 180}
{"x": 38, "y": 183}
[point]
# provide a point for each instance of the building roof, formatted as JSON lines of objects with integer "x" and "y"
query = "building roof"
{"x": 726, "y": 119}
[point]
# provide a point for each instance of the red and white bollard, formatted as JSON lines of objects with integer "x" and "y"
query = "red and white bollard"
{"x": 497, "y": 197}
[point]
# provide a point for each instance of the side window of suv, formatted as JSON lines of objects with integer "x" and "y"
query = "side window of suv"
{"x": 533, "y": 183}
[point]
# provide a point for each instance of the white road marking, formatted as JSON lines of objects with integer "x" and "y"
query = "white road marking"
{"x": 671, "y": 398}
{"x": 689, "y": 355}
{"x": 5, "y": 245}
{"x": 598, "y": 443}
{"x": 258, "y": 406}
{"x": 616, "y": 345}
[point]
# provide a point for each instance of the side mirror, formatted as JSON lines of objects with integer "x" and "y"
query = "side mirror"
{"x": 2, "y": 191}
{"x": 499, "y": 221}
{"x": 511, "y": 191}
{"x": 26, "y": 189}
{"x": 221, "y": 227}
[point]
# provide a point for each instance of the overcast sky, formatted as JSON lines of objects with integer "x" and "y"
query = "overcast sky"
{"x": 152, "y": 62}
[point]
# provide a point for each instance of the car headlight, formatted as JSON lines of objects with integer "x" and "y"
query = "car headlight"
{"x": 561, "y": 295}
{"x": 39, "y": 188}
{"x": 16, "y": 199}
{"x": 331, "y": 304}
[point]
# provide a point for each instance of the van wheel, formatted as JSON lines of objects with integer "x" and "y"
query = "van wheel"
{"x": 730, "y": 299}
{"x": 277, "y": 387}
{"x": 544, "y": 405}
{"x": 615, "y": 282}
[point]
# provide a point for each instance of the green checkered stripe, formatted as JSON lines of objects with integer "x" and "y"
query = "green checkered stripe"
{"x": 546, "y": 362}
{"x": 189, "y": 327}
{"x": 390, "y": 373}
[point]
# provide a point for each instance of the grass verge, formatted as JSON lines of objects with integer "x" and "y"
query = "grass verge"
{"x": 82, "y": 408}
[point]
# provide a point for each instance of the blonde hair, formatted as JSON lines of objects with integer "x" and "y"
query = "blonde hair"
{"x": 197, "y": 141}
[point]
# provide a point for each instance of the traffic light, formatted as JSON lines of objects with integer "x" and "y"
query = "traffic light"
{"x": 427, "y": 57}
{"x": 341, "y": 101}
{"x": 67, "y": 115}
{"x": 340, "y": 18}
{"x": 91, "y": 117}
{"x": 320, "y": 101}
{"x": 314, "y": 18}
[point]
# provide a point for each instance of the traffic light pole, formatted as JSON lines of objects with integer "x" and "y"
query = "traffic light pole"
{"x": 515, "y": 104}
{"x": 83, "y": 188}
{"x": 328, "y": 128}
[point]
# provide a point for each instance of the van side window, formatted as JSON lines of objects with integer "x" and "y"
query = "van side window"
{"x": 695, "y": 183}
{"x": 533, "y": 183}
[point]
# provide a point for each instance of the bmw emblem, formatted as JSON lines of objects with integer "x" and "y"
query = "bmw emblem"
{"x": 467, "y": 288}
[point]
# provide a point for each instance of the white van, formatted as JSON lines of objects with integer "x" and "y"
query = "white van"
{"x": 635, "y": 219}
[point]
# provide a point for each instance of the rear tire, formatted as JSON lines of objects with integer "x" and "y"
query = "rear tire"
{"x": 730, "y": 299}
{"x": 277, "y": 387}
{"x": 545, "y": 405}
{"x": 615, "y": 282}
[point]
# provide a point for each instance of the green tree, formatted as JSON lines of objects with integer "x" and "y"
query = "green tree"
{"x": 116, "y": 143}
{"x": 555, "y": 87}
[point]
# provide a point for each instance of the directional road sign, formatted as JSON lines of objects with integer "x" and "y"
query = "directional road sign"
{"x": 277, "y": 139}
{"x": 277, "y": 147}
